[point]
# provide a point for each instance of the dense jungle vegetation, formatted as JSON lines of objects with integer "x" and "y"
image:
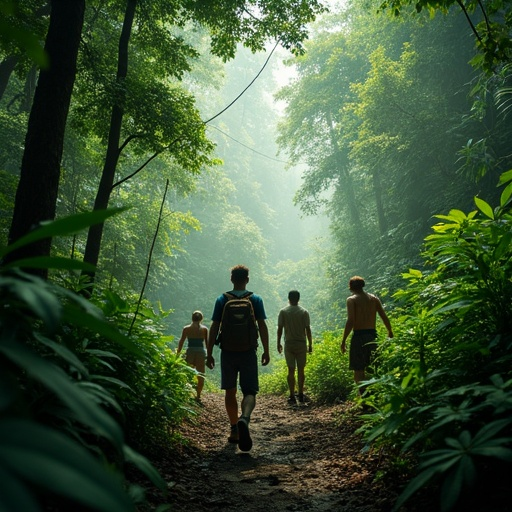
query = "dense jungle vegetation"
{"x": 149, "y": 145}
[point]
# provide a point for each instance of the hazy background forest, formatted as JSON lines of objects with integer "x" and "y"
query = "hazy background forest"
{"x": 377, "y": 145}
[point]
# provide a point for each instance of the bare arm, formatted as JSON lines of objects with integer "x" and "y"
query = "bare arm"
{"x": 310, "y": 338}
{"x": 384, "y": 317}
{"x": 212, "y": 336}
{"x": 349, "y": 324}
{"x": 182, "y": 340}
{"x": 279, "y": 336}
{"x": 265, "y": 357}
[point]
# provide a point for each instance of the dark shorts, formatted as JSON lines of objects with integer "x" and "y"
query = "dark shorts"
{"x": 362, "y": 347}
{"x": 243, "y": 365}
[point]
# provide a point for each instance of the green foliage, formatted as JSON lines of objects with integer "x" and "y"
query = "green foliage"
{"x": 62, "y": 402}
{"x": 328, "y": 378}
{"x": 327, "y": 375}
{"x": 158, "y": 391}
{"x": 275, "y": 381}
{"x": 491, "y": 28}
{"x": 444, "y": 388}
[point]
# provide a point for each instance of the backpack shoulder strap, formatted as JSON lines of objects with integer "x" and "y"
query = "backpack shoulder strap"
{"x": 231, "y": 296}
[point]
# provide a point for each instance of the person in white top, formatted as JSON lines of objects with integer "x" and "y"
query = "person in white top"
{"x": 298, "y": 341}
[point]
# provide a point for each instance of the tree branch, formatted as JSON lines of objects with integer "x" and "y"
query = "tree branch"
{"x": 473, "y": 28}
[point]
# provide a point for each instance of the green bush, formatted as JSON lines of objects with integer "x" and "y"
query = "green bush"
{"x": 61, "y": 444}
{"x": 444, "y": 389}
{"x": 328, "y": 378}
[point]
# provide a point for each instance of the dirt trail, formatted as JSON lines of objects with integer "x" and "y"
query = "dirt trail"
{"x": 304, "y": 458}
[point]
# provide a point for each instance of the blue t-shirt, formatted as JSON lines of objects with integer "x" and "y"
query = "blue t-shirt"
{"x": 257, "y": 304}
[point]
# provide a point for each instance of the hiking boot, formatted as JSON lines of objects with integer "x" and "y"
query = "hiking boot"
{"x": 301, "y": 398}
{"x": 292, "y": 400}
{"x": 233, "y": 436}
{"x": 244, "y": 441}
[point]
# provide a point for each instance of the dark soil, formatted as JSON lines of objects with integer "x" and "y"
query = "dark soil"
{"x": 306, "y": 457}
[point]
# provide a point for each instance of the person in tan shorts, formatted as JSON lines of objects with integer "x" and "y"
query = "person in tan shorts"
{"x": 362, "y": 311}
{"x": 294, "y": 321}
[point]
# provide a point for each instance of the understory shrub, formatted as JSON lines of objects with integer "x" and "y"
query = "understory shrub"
{"x": 65, "y": 408}
{"x": 443, "y": 391}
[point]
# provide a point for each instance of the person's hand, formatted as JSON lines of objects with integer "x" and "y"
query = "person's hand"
{"x": 279, "y": 348}
{"x": 390, "y": 334}
{"x": 265, "y": 358}
{"x": 310, "y": 349}
{"x": 210, "y": 362}
{"x": 343, "y": 347}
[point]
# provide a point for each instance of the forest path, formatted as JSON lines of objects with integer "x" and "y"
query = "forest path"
{"x": 304, "y": 458}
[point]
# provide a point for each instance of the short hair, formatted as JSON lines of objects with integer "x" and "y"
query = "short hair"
{"x": 197, "y": 316}
{"x": 293, "y": 296}
{"x": 356, "y": 283}
{"x": 239, "y": 273}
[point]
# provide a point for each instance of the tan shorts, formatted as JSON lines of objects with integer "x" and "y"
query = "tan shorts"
{"x": 295, "y": 353}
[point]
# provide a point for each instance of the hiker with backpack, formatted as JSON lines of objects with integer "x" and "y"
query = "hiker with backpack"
{"x": 238, "y": 320}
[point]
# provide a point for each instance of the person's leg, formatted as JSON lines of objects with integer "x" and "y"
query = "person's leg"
{"x": 291, "y": 381}
{"x": 248, "y": 404}
{"x": 231, "y": 404}
{"x": 301, "y": 377}
{"x": 200, "y": 367}
{"x": 250, "y": 386}
{"x": 301, "y": 357}
{"x": 359, "y": 376}
{"x": 289, "y": 356}
{"x": 228, "y": 382}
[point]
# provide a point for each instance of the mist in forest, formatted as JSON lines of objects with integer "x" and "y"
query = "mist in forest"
{"x": 246, "y": 206}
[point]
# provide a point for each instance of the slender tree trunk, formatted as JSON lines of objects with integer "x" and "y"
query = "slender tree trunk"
{"x": 93, "y": 245}
{"x": 28, "y": 90}
{"x": 36, "y": 196}
{"x": 347, "y": 184}
{"x": 377, "y": 188}
{"x": 6, "y": 68}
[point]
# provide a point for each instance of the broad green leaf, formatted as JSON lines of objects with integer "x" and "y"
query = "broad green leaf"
{"x": 101, "y": 327}
{"x": 456, "y": 305}
{"x": 505, "y": 195}
{"x": 143, "y": 464}
{"x": 85, "y": 410}
{"x": 112, "y": 380}
{"x": 505, "y": 177}
{"x": 14, "y": 494}
{"x": 414, "y": 486}
{"x": 498, "y": 452}
{"x": 490, "y": 430}
{"x": 50, "y": 460}
{"x": 62, "y": 227}
{"x": 25, "y": 40}
{"x": 62, "y": 351}
{"x": 504, "y": 247}
{"x": 51, "y": 262}
{"x": 36, "y": 294}
{"x": 484, "y": 207}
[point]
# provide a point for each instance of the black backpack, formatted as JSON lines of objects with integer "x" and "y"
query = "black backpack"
{"x": 238, "y": 330}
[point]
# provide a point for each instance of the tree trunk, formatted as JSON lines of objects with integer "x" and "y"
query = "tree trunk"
{"x": 6, "y": 68}
{"x": 36, "y": 196}
{"x": 93, "y": 245}
{"x": 377, "y": 188}
{"x": 346, "y": 180}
